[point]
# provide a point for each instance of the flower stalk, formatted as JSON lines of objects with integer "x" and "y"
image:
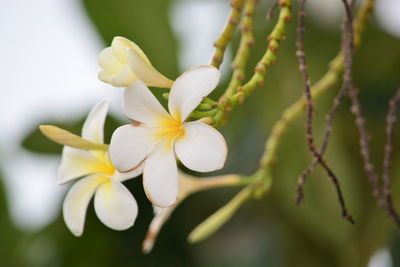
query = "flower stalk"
{"x": 226, "y": 35}
{"x": 246, "y": 42}
{"x": 237, "y": 95}
{"x": 189, "y": 185}
{"x": 220, "y": 217}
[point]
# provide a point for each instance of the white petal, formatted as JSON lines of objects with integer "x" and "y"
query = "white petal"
{"x": 77, "y": 201}
{"x": 190, "y": 89}
{"x": 202, "y": 148}
{"x": 123, "y": 176}
{"x": 63, "y": 137}
{"x": 122, "y": 60}
{"x": 120, "y": 47}
{"x": 76, "y": 163}
{"x": 105, "y": 76}
{"x": 115, "y": 206}
{"x": 146, "y": 72}
{"x": 129, "y": 146}
{"x": 108, "y": 61}
{"x": 160, "y": 176}
{"x": 93, "y": 127}
{"x": 124, "y": 77}
{"x": 141, "y": 105}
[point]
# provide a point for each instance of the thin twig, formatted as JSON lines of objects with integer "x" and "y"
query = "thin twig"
{"x": 328, "y": 124}
{"x": 387, "y": 158}
{"x": 310, "y": 110}
{"x": 270, "y": 14}
{"x": 360, "y": 122}
{"x": 327, "y": 132}
{"x": 327, "y": 81}
{"x": 358, "y": 24}
{"x": 368, "y": 165}
{"x": 355, "y": 104}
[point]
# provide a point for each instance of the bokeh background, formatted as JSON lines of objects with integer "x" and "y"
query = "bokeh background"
{"x": 48, "y": 74}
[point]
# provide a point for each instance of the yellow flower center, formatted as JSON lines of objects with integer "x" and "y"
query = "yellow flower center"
{"x": 103, "y": 165}
{"x": 169, "y": 129}
{"x": 108, "y": 168}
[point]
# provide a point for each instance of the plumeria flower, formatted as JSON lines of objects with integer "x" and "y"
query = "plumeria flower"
{"x": 124, "y": 61}
{"x": 158, "y": 136}
{"x": 114, "y": 204}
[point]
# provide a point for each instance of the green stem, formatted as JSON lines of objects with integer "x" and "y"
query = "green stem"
{"x": 193, "y": 185}
{"x": 220, "y": 217}
{"x": 246, "y": 42}
{"x": 202, "y": 114}
{"x": 226, "y": 35}
{"x": 236, "y": 95}
{"x": 261, "y": 180}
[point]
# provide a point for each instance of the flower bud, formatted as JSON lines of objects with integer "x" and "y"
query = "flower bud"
{"x": 124, "y": 63}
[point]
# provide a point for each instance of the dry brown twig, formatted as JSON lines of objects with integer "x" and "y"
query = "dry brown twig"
{"x": 347, "y": 35}
{"x": 310, "y": 110}
{"x": 327, "y": 134}
{"x": 384, "y": 202}
{"x": 389, "y": 147}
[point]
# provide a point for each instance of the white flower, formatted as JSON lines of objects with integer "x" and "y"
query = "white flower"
{"x": 124, "y": 61}
{"x": 114, "y": 204}
{"x": 158, "y": 135}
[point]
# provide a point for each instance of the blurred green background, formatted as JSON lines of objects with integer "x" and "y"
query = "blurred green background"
{"x": 272, "y": 231}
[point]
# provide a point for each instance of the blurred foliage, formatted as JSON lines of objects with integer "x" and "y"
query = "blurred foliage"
{"x": 11, "y": 237}
{"x": 272, "y": 231}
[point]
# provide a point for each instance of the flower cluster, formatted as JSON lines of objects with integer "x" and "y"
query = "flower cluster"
{"x": 150, "y": 145}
